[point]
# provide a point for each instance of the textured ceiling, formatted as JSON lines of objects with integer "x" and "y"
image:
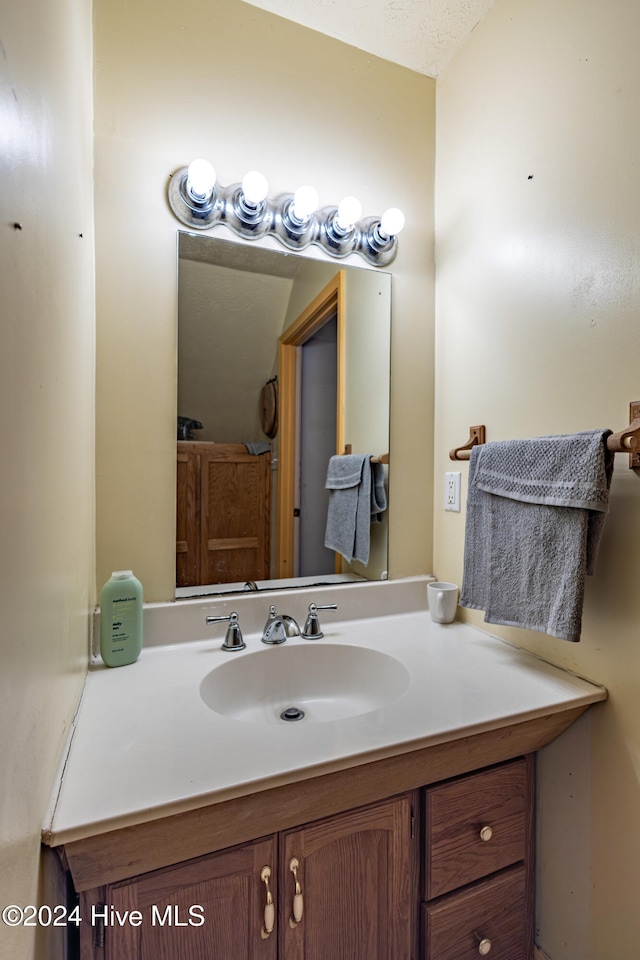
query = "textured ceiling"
{"x": 420, "y": 34}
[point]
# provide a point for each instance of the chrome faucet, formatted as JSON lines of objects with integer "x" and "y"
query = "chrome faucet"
{"x": 233, "y": 639}
{"x": 279, "y": 627}
{"x": 312, "y": 629}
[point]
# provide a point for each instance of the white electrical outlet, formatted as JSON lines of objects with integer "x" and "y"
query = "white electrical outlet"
{"x": 452, "y": 492}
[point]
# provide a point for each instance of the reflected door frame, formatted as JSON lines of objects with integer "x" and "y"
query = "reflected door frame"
{"x": 330, "y": 301}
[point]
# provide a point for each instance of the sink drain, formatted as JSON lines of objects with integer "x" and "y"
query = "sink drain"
{"x": 292, "y": 713}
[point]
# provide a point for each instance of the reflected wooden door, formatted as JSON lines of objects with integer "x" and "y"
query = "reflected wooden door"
{"x": 188, "y": 517}
{"x": 235, "y": 514}
{"x": 223, "y": 514}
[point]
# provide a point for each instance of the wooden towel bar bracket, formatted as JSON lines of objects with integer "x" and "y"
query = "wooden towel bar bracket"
{"x": 628, "y": 440}
{"x": 477, "y": 435}
{"x": 624, "y": 441}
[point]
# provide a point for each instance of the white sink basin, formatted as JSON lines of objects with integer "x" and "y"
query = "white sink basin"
{"x": 324, "y": 681}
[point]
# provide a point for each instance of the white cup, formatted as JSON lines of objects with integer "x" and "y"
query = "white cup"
{"x": 443, "y": 601}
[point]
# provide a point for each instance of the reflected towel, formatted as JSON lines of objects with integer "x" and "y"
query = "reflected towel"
{"x": 260, "y": 446}
{"x": 378, "y": 493}
{"x": 535, "y": 514}
{"x": 356, "y": 497}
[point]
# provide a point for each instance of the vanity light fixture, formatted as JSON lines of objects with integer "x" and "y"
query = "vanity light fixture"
{"x": 201, "y": 180}
{"x": 305, "y": 203}
{"x": 391, "y": 223}
{"x": 339, "y": 227}
{"x": 194, "y": 195}
{"x": 349, "y": 212}
{"x": 197, "y": 201}
{"x": 249, "y": 213}
{"x": 295, "y": 224}
{"x": 381, "y": 234}
{"x": 255, "y": 188}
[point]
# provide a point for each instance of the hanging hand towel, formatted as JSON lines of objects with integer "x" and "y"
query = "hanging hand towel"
{"x": 535, "y": 513}
{"x": 378, "y": 492}
{"x": 353, "y": 498}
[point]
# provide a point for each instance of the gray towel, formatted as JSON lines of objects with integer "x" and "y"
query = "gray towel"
{"x": 258, "y": 447}
{"x": 356, "y": 497}
{"x": 535, "y": 513}
{"x": 378, "y": 493}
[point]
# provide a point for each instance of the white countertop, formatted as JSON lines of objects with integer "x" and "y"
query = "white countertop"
{"x": 145, "y": 745}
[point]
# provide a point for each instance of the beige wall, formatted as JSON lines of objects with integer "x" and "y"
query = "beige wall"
{"x": 538, "y": 295}
{"x": 244, "y": 89}
{"x": 46, "y": 384}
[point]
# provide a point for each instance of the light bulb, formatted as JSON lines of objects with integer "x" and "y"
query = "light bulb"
{"x": 255, "y": 187}
{"x": 349, "y": 212}
{"x": 305, "y": 202}
{"x": 201, "y": 179}
{"x": 392, "y": 222}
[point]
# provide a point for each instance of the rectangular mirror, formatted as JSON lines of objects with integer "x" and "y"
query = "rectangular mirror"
{"x": 283, "y": 361}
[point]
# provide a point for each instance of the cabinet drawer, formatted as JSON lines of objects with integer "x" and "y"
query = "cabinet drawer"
{"x": 459, "y": 847}
{"x": 487, "y": 919}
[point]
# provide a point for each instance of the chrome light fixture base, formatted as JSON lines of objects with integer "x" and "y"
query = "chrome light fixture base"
{"x": 292, "y": 232}
{"x": 248, "y": 220}
{"x": 337, "y": 240}
{"x": 200, "y": 215}
{"x": 229, "y": 205}
{"x": 374, "y": 245}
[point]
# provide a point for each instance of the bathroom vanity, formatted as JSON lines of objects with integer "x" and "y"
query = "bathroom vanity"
{"x": 398, "y": 827}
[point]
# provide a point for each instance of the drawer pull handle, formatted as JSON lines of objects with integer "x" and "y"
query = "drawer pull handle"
{"x": 484, "y": 946}
{"x": 269, "y": 907}
{"x": 485, "y": 834}
{"x": 296, "y": 915}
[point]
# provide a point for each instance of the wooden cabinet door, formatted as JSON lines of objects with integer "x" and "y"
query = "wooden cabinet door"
{"x": 235, "y": 514}
{"x": 358, "y": 879}
{"x": 211, "y": 908}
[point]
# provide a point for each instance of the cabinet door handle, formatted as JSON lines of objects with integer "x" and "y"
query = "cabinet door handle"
{"x": 269, "y": 907}
{"x": 296, "y": 915}
{"x": 486, "y": 833}
{"x": 484, "y": 945}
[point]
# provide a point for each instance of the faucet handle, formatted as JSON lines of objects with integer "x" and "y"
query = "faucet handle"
{"x": 233, "y": 639}
{"x": 312, "y": 629}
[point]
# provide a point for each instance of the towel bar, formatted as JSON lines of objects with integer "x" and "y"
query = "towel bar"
{"x": 624, "y": 441}
{"x": 382, "y": 458}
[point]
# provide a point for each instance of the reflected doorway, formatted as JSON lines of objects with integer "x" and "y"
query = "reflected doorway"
{"x": 326, "y": 310}
{"x": 315, "y": 444}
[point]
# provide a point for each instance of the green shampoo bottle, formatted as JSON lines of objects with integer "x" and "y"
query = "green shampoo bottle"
{"x": 121, "y": 619}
